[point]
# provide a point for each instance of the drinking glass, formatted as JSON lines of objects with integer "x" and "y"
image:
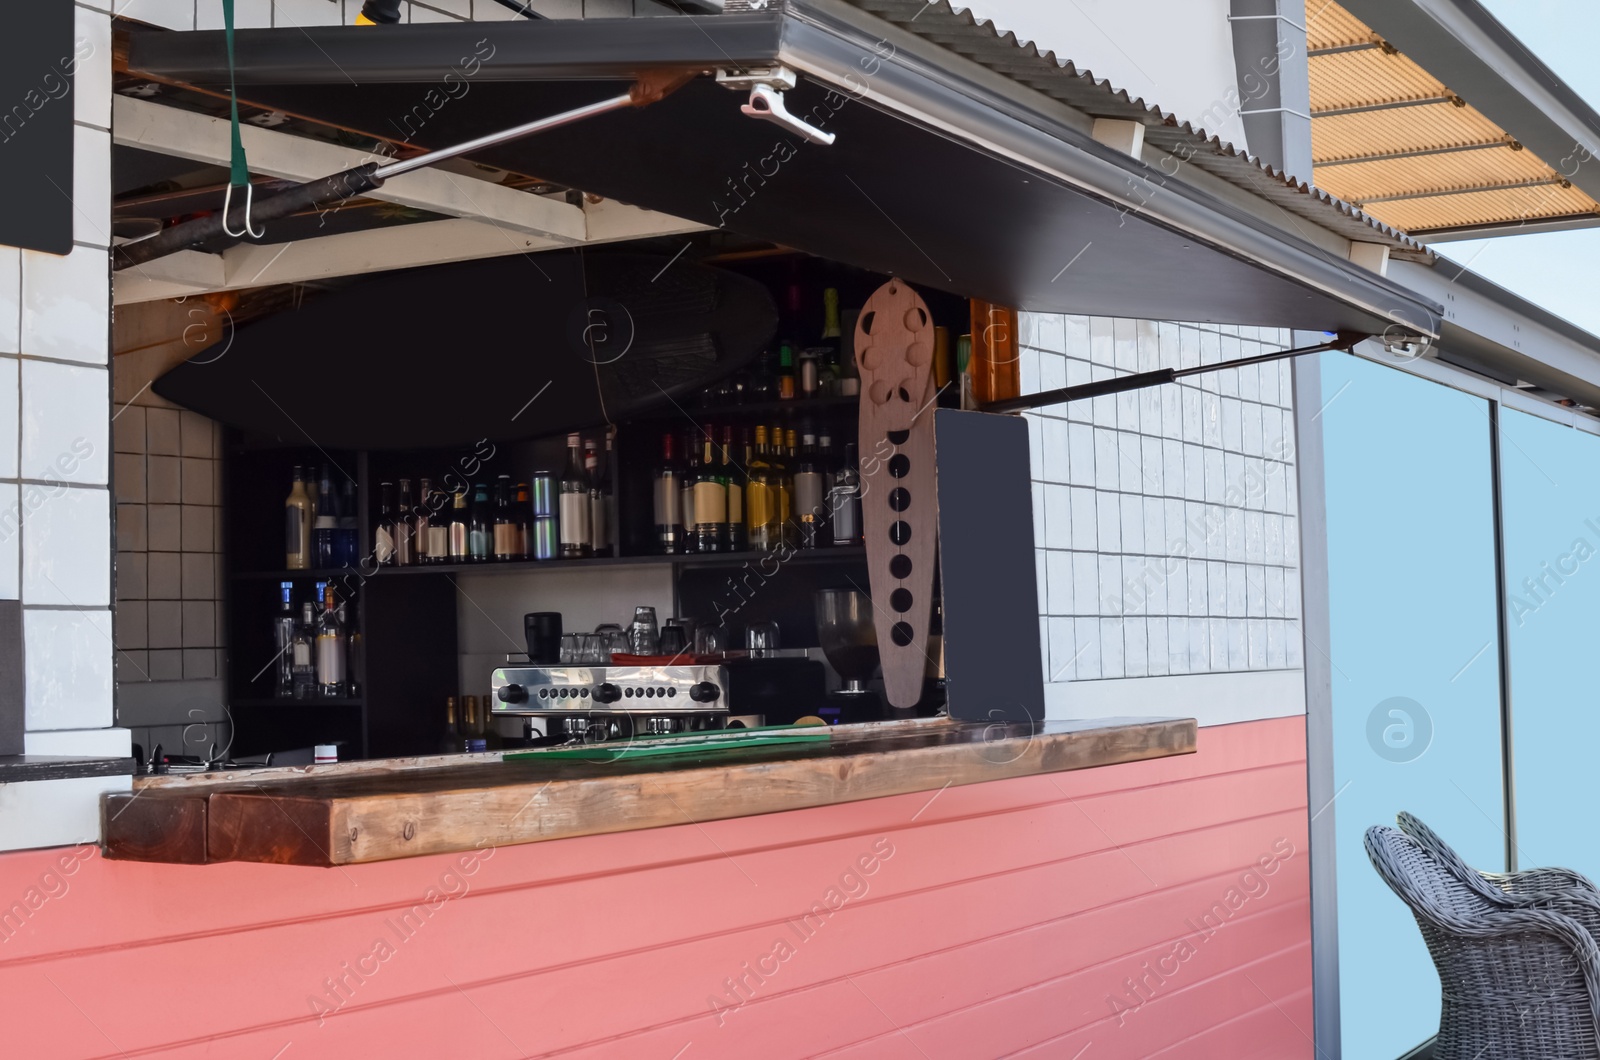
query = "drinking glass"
{"x": 569, "y": 649}
{"x": 613, "y": 643}
{"x": 761, "y": 638}
{"x": 589, "y": 649}
{"x": 710, "y": 640}
{"x": 643, "y": 638}
{"x": 673, "y": 641}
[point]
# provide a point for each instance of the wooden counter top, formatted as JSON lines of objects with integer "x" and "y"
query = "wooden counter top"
{"x": 378, "y": 811}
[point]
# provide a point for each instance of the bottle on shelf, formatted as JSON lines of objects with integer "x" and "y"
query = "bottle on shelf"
{"x": 349, "y": 532}
{"x": 686, "y": 509}
{"x": 459, "y": 552}
{"x": 996, "y": 359}
{"x": 710, "y": 501}
{"x": 810, "y": 485}
{"x": 786, "y": 509}
{"x": 433, "y": 524}
{"x": 602, "y": 497}
{"x": 283, "y": 626}
{"x": 831, "y": 357}
{"x": 811, "y": 371}
{"x": 964, "y": 393}
{"x": 844, "y": 502}
{"x": 480, "y": 524}
{"x": 544, "y": 492}
{"x": 738, "y": 539}
{"x": 451, "y": 744}
{"x": 668, "y": 497}
{"x": 763, "y": 382}
{"x": 574, "y": 502}
{"x": 507, "y": 534}
{"x": 522, "y": 510}
{"x": 405, "y": 532}
{"x": 384, "y": 534}
{"x": 303, "y": 654}
{"x": 353, "y": 648}
{"x": 325, "y": 524}
{"x": 763, "y": 487}
{"x": 297, "y": 508}
{"x": 786, "y": 381}
{"x": 332, "y": 675}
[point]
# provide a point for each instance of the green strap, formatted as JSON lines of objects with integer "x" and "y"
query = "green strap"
{"x": 239, "y": 171}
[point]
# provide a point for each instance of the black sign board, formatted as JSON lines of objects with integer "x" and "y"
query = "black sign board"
{"x": 993, "y": 668}
{"x": 38, "y": 56}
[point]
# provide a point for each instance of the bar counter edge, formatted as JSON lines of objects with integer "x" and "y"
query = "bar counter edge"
{"x": 397, "y": 808}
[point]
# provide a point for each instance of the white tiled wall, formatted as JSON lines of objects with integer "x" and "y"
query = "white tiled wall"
{"x": 55, "y": 502}
{"x": 1164, "y": 518}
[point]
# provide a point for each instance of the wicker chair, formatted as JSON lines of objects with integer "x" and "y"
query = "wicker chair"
{"x": 1516, "y": 983}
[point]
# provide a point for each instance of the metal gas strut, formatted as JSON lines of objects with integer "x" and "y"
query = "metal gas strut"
{"x": 1101, "y": 387}
{"x": 649, "y": 88}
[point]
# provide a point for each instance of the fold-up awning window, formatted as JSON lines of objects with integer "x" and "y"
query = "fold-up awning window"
{"x": 943, "y": 172}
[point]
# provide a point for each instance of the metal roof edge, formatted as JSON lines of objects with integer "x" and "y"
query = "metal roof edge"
{"x": 1460, "y": 43}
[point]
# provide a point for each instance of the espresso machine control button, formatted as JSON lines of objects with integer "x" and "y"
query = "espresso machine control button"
{"x": 512, "y": 694}
{"x": 705, "y": 692}
{"x": 607, "y": 693}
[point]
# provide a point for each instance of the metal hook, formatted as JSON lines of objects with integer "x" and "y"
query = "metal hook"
{"x": 767, "y": 102}
{"x": 227, "y": 203}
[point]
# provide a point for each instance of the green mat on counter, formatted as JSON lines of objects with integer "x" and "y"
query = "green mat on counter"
{"x": 685, "y": 743}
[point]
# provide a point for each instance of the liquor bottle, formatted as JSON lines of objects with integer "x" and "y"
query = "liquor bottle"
{"x": 845, "y": 500}
{"x": 325, "y": 524}
{"x": 786, "y": 383}
{"x": 523, "y": 509}
{"x": 811, "y": 371}
{"x": 405, "y": 533}
{"x": 787, "y": 459}
{"x": 602, "y": 498}
{"x": 303, "y": 654}
{"x": 831, "y": 361}
{"x": 763, "y": 528}
{"x": 383, "y": 536}
{"x": 433, "y": 524}
{"x": 507, "y": 535}
{"x": 283, "y": 639}
{"x": 349, "y": 534}
{"x": 686, "y": 506}
{"x": 711, "y": 501}
{"x": 810, "y": 509}
{"x": 331, "y": 672}
{"x": 459, "y": 551}
{"x": 763, "y": 382}
{"x": 996, "y": 359}
{"x": 480, "y": 524}
{"x": 297, "y": 507}
{"x": 668, "y": 501}
{"x": 451, "y": 744}
{"x": 574, "y": 503}
{"x": 353, "y": 648}
{"x": 738, "y": 539}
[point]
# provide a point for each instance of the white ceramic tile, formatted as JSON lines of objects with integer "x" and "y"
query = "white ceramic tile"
{"x": 1130, "y": 464}
{"x": 1238, "y": 645}
{"x": 1230, "y": 411}
{"x": 8, "y": 417}
{"x": 1057, "y": 517}
{"x": 1155, "y": 527}
{"x": 1199, "y": 646}
{"x": 1177, "y": 585}
{"x": 1105, "y": 458}
{"x": 1276, "y": 498}
{"x": 1103, "y": 409}
{"x": 295, "y": 13}
{"x": 1080, "y": 454}
{"x": 1274, "y": 591}
{"x": 1233, "y": 535}
{"x": 10, "y": 299}
{"x": 1028, "y": 368}
{"x": 68, "y": 669}
{"x": 1086, "y": 649}
{"x": 1151, "y": 467}
{"x": 1176, "y": 540}
{"x": 1217, "y": 643}
{"x": 1136, "y": 648}
{"x": 1251, "y": 429}
{"x": 10, "y": 542}
{"x": 1127, "y": 411}
{"x": 1037, "y": 489}
{"x": 1082, "y": 529}
{"x": 1062, "y": 649}
{"x": 66, "y": 305}
{"x": 1112, "y": 655}
{"x": 1052, "y": 371}
{"x": 1075, "y": 331}
{"x": 97, "y": 743}
{"x": 1036, "y": 460}
{"x": 1050, "y": 332}
{"x": 1131, "y": 524}
{"x": 1056, "y": 449}
{"x": 1111, "y": 601}
{"x": 1102, "y": 346}
{"x": 1057, "y": 566}
{"x": 66, "y": 547}
{"x": 90, "y": 191}
{"x": 1152, "y": 578}
{"x": 1125, "y": 339}
{"x": 1216, "y": 477}
{"x": 172, "y": 14}
{"x": 1108, "y": 524}
{"x": 65, "y": 428}
{"x": 247, "y": 14}
{"x": 1250, "y": 382}
{"x": 91, "y": 78}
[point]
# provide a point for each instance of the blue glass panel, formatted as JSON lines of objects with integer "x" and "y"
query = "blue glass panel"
{"x": 1415, "y": 668}
{"x": 1550, "y": 479}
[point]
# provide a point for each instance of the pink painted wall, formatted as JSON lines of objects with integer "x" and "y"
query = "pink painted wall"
{"x": 1045, "y": 917}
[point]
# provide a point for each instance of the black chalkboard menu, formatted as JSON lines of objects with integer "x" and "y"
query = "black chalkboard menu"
{"x": 38, "y": 56}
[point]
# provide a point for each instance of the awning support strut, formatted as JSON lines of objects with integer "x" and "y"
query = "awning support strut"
{"x": 364, "y": 178}
{"x": 1345, "y": 341}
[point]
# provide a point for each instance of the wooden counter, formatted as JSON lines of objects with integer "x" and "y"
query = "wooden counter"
{"x": 397, "y": 808}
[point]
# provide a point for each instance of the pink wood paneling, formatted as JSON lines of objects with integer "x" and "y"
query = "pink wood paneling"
{"x": 1044, "y": 917}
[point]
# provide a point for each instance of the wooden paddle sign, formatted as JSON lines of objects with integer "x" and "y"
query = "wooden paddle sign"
{"x": 894, "y": 352}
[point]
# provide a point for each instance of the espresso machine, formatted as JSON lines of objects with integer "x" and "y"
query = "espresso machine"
{"x": 595, "y": 703}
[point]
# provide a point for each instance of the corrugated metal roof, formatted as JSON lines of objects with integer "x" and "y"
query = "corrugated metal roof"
{"x": 1434, "y": 185}
{"x": 982, "y": 42}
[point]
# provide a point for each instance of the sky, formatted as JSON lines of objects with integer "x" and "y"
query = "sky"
{"x": 1558, "y": 270}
